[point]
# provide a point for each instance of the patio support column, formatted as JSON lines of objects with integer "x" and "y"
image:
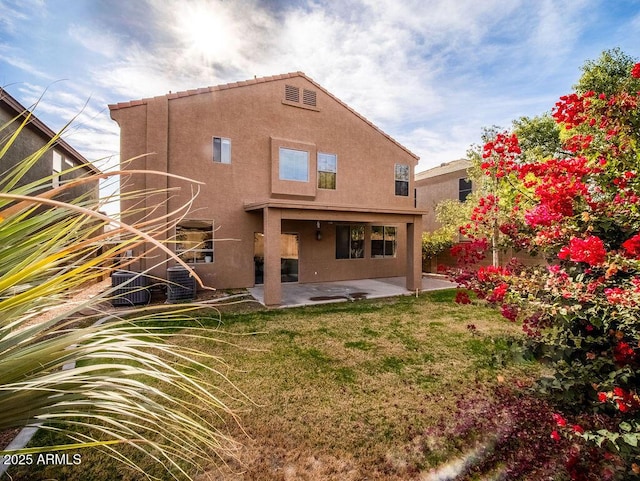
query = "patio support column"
{"x": 414, "y": 254}
{"x": 272, "y": 256}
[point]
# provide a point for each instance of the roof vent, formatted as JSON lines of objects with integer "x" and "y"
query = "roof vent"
{"x": 291, "y": 93}
{"x": 309, "y": 97}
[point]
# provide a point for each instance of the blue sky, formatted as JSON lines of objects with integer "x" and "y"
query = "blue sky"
{"x": 431, "y": 73}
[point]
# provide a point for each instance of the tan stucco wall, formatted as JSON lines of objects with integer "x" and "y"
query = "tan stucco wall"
{"x": 178, "y": 132}
{"x": 432, "y": 190}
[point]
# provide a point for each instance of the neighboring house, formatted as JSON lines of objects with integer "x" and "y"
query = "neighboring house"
{"x": 449, "y": 181}
{"x": 446, "y": 181}
{"x": 59, "y": 158}
{"x": 296, "y": 186}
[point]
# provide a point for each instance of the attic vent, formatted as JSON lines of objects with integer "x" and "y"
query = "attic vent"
{"x": 309, "y": 97}
{"x": 291, "y": 93}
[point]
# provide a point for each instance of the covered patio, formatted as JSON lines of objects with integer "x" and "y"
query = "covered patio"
{"x": 296, "y": 295}
{"x": 322, "y": 263}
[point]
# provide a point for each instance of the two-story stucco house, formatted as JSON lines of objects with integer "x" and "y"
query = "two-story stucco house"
{"x": 448, "y": 180}
{"x": 60, "y": 163}
{"x": 296, "y": 186}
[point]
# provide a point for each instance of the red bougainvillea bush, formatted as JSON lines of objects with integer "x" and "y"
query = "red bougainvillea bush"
{"x": 581, "y": 211}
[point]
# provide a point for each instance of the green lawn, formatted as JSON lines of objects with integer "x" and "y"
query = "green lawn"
{"x": 348, "y": 391}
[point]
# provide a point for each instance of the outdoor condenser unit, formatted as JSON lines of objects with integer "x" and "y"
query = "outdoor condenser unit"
{"x": 181, "y": 286}
{"x": 131, "y": 288}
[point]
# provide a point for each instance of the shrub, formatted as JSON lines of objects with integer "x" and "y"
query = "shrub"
{"x": 581, "y": 209}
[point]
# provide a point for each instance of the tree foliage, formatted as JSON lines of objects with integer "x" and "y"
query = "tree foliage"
{"x": 451, "y": 214}
{"x": 608, "y": 74}
{"x": 580, "y": 206}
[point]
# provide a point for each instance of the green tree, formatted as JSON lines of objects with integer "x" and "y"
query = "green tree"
{"x": 451, "y": 214}
{"x": 581, "y": 207}
{"x": 539, "y": 137}
{"x": 608, "y": 74}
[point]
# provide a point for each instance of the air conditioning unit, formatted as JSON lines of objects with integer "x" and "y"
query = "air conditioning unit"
{"x": 181, "y": 285}
{"x": 130, "y": 288}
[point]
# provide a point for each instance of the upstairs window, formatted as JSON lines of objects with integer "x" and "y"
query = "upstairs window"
{"x": 383, "y": 241}
{"x": 194, "y": 241}
{"x": 221, "y": 150}
{"x": 294, "y": 165}
{"x": 56, "y": 169}
{"x": 402, "y": 179}
{"x": 349, "y": 242}
{"x": 464, "y": 189}
{"x": 327, "y": 170}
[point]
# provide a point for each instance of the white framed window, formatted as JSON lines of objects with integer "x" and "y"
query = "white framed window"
{"x": 56, "y": 169}
{"x": 194, "y": 241}
{"x": 222, "y": 150}
{"x": 402, "y": 179}
{"x": 327, "y": 170}
{"x": 294, "y": 165}
{"x": 383, "y": 241}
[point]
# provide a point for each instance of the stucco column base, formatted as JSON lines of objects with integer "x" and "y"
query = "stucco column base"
{"x": 414, "y": 254}
{"x": 272, "y": 219}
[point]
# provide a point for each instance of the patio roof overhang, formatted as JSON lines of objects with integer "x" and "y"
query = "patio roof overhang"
{"x": 274, "y": 211}
{"x": 309, "y": 210}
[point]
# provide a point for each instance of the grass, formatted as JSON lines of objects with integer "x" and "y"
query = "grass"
{"x": 351, "y": 390}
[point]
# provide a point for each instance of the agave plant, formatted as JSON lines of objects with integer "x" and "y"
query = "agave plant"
{"x": 112, "y": 381}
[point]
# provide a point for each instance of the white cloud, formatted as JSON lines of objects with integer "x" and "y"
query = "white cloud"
{"x": 106, "y": 44}
{"x": 13, "y": 58}
{"x": 15, "y": 12}
{"x": 430, "y": 73}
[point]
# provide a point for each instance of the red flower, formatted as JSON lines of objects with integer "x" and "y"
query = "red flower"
{"x": 578, "y": 429}
{"x": 555, "y": 436}
{"x": 560, "y": 421}
{"x": 590, "y": 250}
{"x": 499, "y": 292}
{"x": 462, "y": 298}
{"x": 632, "y": 245}
{"x": 602, "y": 397}
{"x": 623, "y": 353}
{"x": 622, "y": 406}
{"x": 509, "y": 312}
{"x": 635, "y": 71}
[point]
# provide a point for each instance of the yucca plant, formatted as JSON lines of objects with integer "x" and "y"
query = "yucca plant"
{"x": 114, "y": 381}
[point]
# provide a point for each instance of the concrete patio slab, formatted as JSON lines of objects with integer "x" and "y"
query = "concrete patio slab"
{"x": 295, "y": 295}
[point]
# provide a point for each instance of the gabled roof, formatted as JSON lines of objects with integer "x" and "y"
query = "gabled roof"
{"x": 187, "y": 93}
{"x": 444, "y": 168}
{"x": 16, "y": 109}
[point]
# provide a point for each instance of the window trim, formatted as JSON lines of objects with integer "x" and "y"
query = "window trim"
{"x": 213, "y": 150}
{"x": 280, "y": 165}
{"x": 384, "y": 241}
{"x": 204, "y": 227}
{"x": 334, "y": 172}
{"x": 398, "y": 179}
{"x": 56, "y": 169}
{"x": 350, "y": 248}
